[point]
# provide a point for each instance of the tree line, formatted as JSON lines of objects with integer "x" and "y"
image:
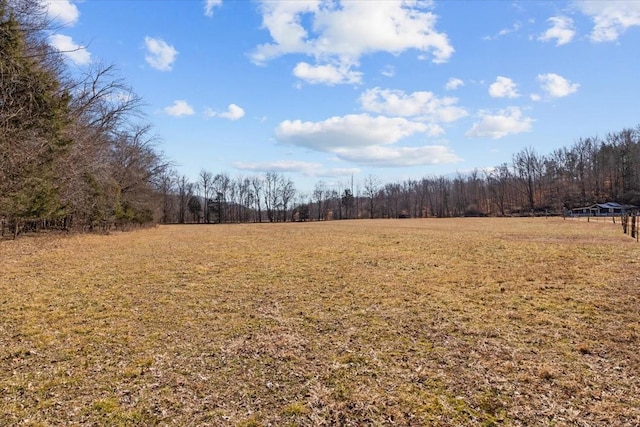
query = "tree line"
{"x": 592, "y": 170}
{"x": 76, "y": 153}
{"x": 74, "y": 150}
{"x": 219, "y": 198}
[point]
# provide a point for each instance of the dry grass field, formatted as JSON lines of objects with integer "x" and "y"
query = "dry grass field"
{"x": 476, "y": 322}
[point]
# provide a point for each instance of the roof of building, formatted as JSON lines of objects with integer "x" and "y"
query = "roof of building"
{"x": 608, "y": 205}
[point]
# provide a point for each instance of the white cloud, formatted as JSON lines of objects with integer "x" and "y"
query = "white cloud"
{"x": 421, "y": 104}
{"x": 514, "y": 28}
{"x": 391, "y": 26}
{"x": 388, "y": 71}
{"x": 326, "y": 74}
{"x": 454, "y": 83}
{"x": 354, "y": 130}
{"x": 503, "y": 87}
{"x": 611, "y": 18}
{"x": 505, "y": 31}
{"x": 335, "y": 172}
{"x": 535, "y": 97}
{"x": 385, "y": 156}
{"x": 562, "y": 30}
{"x": 62, "y": 11}
{"x": 365, "y": 140}
{"x": 505, "y": 122}
{"x": 296, "y": 166}
{"x": 278, "y": 166}
{"x": 434, "y": 130}
{"x": 340, "y": 32}
{"x": 556, "y": 86}
{"x": 234, "y": 112}
{"x": 282, "y": 19}
{"x": 78, "y": 54}
{"x": 209, "y": 5}
{"x": 179, "y": 108}
{"x": 160, "y": 55}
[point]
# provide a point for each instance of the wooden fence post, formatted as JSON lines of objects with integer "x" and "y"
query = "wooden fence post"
{"x": 633, "y": 226}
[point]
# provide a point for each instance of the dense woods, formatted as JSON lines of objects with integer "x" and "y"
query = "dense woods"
{"x": 76, "y": 153}
{"x": 73, "y": 150}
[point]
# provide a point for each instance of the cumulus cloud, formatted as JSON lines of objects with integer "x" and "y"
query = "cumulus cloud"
{"x": 364, "y": 139}
{"x": 326, "y": 74}
{"x": 209, "y": 5}
{"x": 340, "y": 32}
{"x": 350, "y": 29}
{"x": 283, "y": 21}
{"x": 503, "y": 87}
{"x": 562, "y": 30}
{"x": 179, "y": 108}
{"x": 354, "y": 130}
{"x": 454, "y": 83}
{"x": 422, "y": 105}
{"x": 505, "y": 122}
{"x": 76, "y": 53}
{"x": 611, "y": 18}
{"x": 296, "y": 166}
{"x": 556, "y": 86}
{"x": 234, "y": 112}
{"x": 61, "y": 11}
{"x": 160, "y": 55}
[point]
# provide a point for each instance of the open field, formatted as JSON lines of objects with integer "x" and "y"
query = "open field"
{"x": 385, "y": 322}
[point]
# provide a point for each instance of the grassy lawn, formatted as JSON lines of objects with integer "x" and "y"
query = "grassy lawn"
{"x": 385, "y": 322}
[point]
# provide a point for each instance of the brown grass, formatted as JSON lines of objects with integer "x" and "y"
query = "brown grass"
{"x": 384, "y": 322}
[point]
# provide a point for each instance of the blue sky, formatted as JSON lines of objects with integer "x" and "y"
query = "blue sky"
{"x": 327, "y": 90}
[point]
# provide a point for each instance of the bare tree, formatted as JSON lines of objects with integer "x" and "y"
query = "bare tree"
{"x": 371, "y": 186}
{"x": 166, "y": 186}
{"x": 272, "y": 195}
{"x": 319, "y": 194}
{"x": 205, "y": 182}
{"x": 185, "y": 191}
{"x": 527, "y": 166}
{"x": 221, "y": 187}
{"x": 287, "y": 193}
{"x": 257, "y": 183}
{"x": 499, "y": 182}
{"x": 103, "y": 102}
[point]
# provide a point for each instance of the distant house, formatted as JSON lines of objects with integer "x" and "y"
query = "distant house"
{"x": 603, "y": 209}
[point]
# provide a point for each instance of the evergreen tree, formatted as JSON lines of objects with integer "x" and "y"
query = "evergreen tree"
{"x": 33, "y": 119}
